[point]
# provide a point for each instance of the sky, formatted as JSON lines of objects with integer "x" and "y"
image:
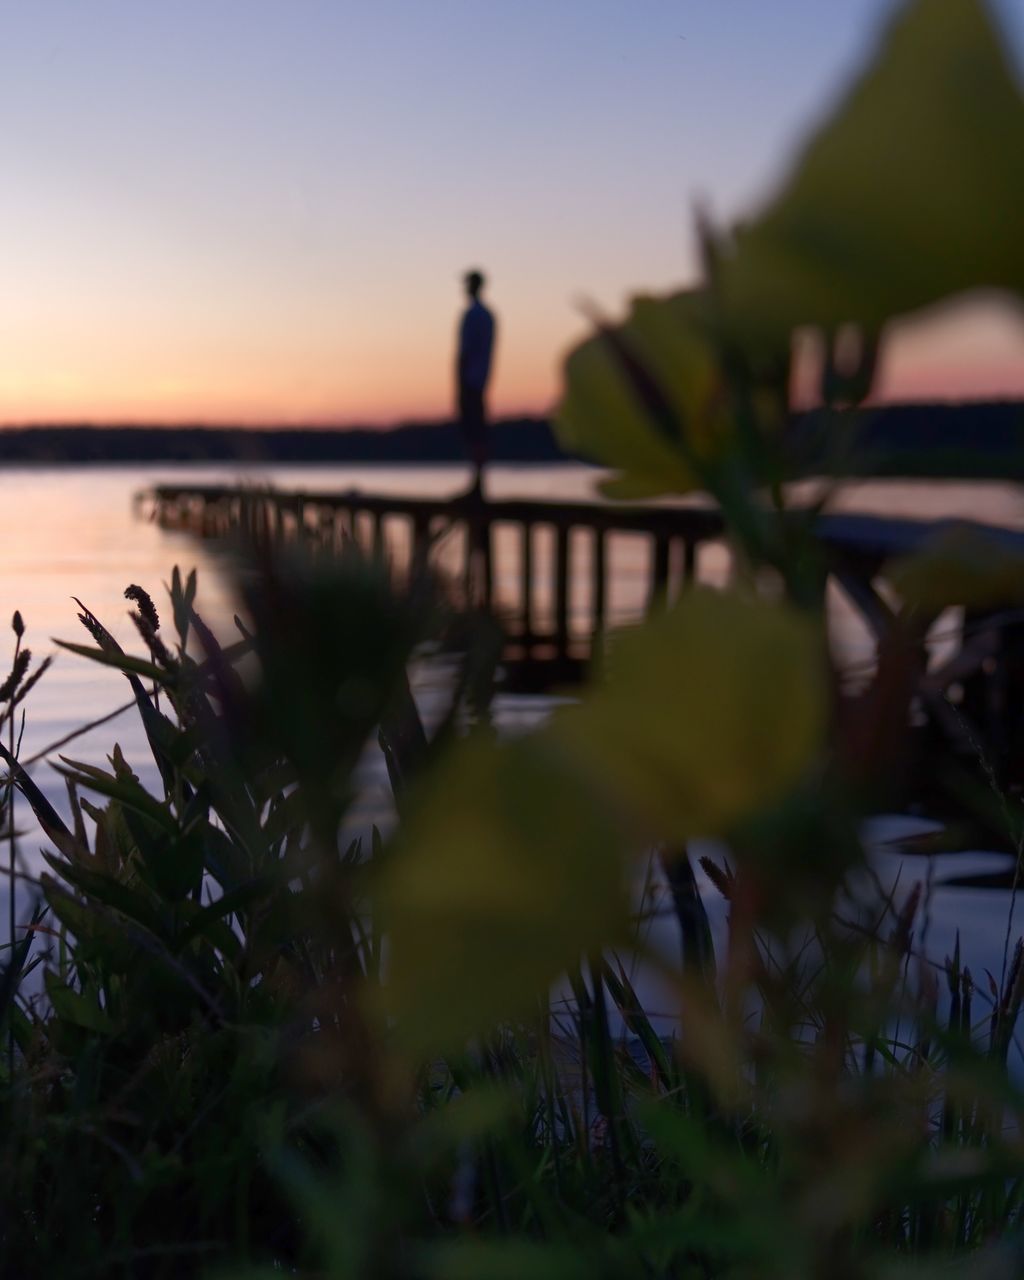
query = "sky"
{"x": 259, "y": 211}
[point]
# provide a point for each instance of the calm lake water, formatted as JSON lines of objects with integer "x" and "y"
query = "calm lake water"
{"x": 72, "y": 531}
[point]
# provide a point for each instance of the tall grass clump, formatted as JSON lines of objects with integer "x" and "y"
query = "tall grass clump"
{"x": 239, "y": 1045}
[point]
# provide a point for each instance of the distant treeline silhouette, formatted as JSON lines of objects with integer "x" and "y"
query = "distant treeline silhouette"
{"x": 982, "y": 439}
{"x": 510, "y": 440}
{"x": 972, "y": 439}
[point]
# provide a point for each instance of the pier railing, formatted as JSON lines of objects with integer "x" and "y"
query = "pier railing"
{"x": 559, "y": 575}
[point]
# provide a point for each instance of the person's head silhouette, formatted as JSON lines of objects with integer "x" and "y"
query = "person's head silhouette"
{"x": 474, "y": 282}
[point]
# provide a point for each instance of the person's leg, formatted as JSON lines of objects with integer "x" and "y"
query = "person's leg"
{"x": 471, "y": 404}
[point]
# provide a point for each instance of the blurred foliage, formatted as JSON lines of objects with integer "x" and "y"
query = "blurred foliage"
{"x": 494, "y": 858}
{"x": 731, "y": 694}
{"x": 246, "y": 1039}
{"x": 513, "y": 867}
{"x": 960, "y": 566}
{"x": 630, "y": 390}
{"x": 909, "y": 193}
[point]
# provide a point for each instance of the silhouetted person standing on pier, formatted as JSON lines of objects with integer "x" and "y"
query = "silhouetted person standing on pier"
{"x": 476, "y": 345}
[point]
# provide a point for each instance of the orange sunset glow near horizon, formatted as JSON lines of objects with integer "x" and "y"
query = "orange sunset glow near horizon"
{"x": 259, "y": 215}
{"x": 974, "y": 350}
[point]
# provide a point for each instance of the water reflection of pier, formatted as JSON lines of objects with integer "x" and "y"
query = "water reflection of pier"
{"x": 545, "y": 570}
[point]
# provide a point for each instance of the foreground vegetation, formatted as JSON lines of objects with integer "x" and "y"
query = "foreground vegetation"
{"x": 241, "y": 1042}
{"x": 251, "y": 1049}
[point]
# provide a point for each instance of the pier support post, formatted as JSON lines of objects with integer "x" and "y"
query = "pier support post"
{"x": 659, "y": 576}
{"x": 689, "y": 561}
{"x": 526, "y": 585}
{"x": 487, "y": 561}
{"x": 377, "y": 546}
{"x": 562, "y": 591}
{"x": 479, "y": 567}
{"x": 599, "y": 570}
{"x": 420, "y": 544}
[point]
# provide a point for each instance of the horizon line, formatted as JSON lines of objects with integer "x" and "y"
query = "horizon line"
{"x": 195, "y": 424}
{"x": 231, "y": 424}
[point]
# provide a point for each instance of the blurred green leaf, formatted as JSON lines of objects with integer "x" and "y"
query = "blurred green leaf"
{"x": 514, "y": 860}
{"x": 172, "y": 866}
{"x": 126, "y": 790}
{"x": 209, "y": 921}
{"x": 96, "y": 934}
{"x": 76, "y": 1008}
{"x": 107, "y": 891}
{"x": 118, "y": 659}
{"x": 46, "y": 815}
{"x": 509, "y": 1260}
{"x": 474, "y": 1114}
{"x": 910, "y": 192}
{"x": 659, "y": 432}
{"x": 182, "y": 599}
{"x": 511, "y": 867}
{"x": 710, "y": 711}
{"x": 960, "y": 566}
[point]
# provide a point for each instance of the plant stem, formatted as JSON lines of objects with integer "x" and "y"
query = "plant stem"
{"x": 11, "y": 869}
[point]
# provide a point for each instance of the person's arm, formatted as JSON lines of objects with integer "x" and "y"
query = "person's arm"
{"x": 469, "y": 341}
{"x": 461, "y": 343}
{"x": 490, "y": 334}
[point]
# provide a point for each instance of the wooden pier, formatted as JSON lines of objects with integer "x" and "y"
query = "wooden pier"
{"x": 559, "y": 575}
{"x": 544, "y": 569}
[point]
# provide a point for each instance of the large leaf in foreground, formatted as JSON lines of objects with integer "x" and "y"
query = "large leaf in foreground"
{"x": 911, "y": 192}
{"x": 510, "y": 868}
{"x": 513, "y": 862}
{"x": 961, "y": 565}
{"x": 710, "y": 711}
{"x": 647, "y": 397}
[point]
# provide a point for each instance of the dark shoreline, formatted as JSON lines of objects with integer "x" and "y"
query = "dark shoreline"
{"x": 943, "y": 440}
{"x": 525, "y": 440}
